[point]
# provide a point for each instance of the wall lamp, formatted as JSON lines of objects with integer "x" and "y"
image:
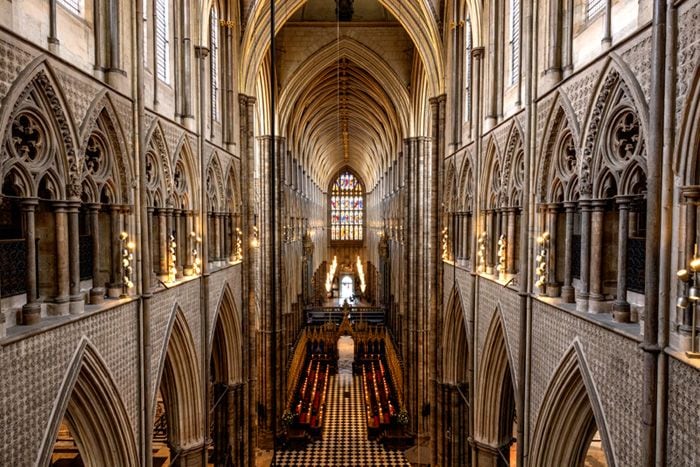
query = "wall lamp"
{"x": 689, "y": 299}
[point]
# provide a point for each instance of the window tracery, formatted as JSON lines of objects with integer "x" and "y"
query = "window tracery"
{"x": 347, "y": 208}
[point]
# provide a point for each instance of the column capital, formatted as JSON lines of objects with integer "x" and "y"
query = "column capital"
{"x": 59, "y": 205}
{"x": 599, "y": 204}
{"x": 570, "y": 205}
{"x": 624, "y": 201}
{"x": 691, "y": 194}
{"x": 93, "y": 206}
{"x": 477, "y": 53}
{"x": 29, "y": 204}
{"x": 201, "y": 51}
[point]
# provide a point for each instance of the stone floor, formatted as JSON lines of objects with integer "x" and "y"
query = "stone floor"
{"x": 344, "y": 442}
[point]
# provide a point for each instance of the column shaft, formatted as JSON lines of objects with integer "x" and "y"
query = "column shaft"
{"x": 77, "y": 303}
{"x": 32, "y": 309}
{"x": 621, "y": 308}
{"x": 567, "y": 291}
{"x": 97, "y": 292}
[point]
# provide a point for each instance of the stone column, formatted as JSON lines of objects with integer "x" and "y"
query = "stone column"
{"x": 97, "y": 292}
{"x": 32, "y": 309}
{"x": 567, "y": 291}
{"x": 553, "y": 289}
{"x": 115, "y": 282}
{"x": 163, "y": 241}
{"x": 510, "y": 245}
{"x": 596, "y": 296}
{"x": 582, "y": 295}
{"x": 621, "y": 307}
{"x": 60, "y": 304}
{"x": 77, "y": 302}
{"x": 607, "y": 25}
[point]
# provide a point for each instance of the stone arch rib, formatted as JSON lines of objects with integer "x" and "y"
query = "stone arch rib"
{"x": 455, "y": 341}
{"x": 91, "y": 403}
{"x": 495, "y": 370}
{"x": 179, "y": 380}
{"x": 227, "y": 328}
{"x": 569, "y": 413}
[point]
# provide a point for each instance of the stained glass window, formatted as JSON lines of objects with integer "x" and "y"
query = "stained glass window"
{"x": 347, "y": 208}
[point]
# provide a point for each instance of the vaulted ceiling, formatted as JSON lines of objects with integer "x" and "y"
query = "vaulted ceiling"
{"x": 347, "y": 86}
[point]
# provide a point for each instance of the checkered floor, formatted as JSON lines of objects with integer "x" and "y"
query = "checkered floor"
{"x": 344, "y": 442}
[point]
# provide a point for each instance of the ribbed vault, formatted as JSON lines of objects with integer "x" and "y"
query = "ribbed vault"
{"x": 345, "y": 106}
{"x": 416, "y": 17}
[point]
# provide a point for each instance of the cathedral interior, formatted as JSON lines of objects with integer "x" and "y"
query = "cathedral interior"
{"x": 350, "y": 232}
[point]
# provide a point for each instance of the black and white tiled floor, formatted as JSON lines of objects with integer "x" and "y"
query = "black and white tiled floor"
{"x": 344, "y": 442}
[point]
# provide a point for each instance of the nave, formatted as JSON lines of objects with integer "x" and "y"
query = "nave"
{"x": 344, "y": 440}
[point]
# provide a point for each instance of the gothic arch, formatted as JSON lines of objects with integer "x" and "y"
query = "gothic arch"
{"x": 179, "y": 380}
{"x": 39, "y": 131}
{"x": 569, "y": 415}
{"x": 227, "y": 330}
{"x": 686, "y": 153}
{"x": 215, "y": 184}
{"x": 618, "y": 115}
{"x": 92, "y": 406}
{"x": 102, "y": 129}
{"x": 559, "y": 157}
{"x": 491, "y": 176}
{"x": 496, "y": 388}
{"x": 466, "y": 184}
{"x": 455, "y": 341}
{"x": 158, "y": 174}
{"x": 359, "y": 53}
{"x": 417, "y": 18}
{"x": 187, "y": 193}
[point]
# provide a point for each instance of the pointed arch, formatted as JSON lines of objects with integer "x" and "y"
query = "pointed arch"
{"x": 215, "y": 184}
{"x": 558, "y": 153}
{"x": 92, "y": 406}
{"x": 158, "y": 154}
{"x": 496, "y": 387}
{"x": 39, "y": 130}
{"x": 356, "y": 52}
{"x": 186, "y": 179}
{"x": 618, "y": 102}
{"x": 569, "y": 415}
{"x": 179, "y": 381}
{"x": 686, "y": 152}
{"x": 102, "y": 119}
{"x": 455, "y": 341}
{"x": 417, "y": 18}
{"x": 228, "y": 335}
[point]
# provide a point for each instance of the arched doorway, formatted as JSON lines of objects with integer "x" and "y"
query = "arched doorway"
{"x": 178, "y": 423}
{"x": 226, "y": 390}
{"x": 569, "y": 429}
{"x": 347, "y": 287}
{"x": 453, "y": 402}
{"x": 495, "y": 415}
{"x": 92, "y": 426}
